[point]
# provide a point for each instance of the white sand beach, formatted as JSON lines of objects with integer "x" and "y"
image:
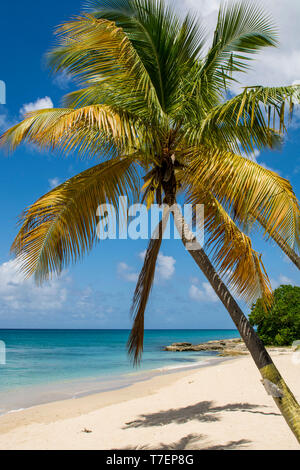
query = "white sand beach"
{"x": 223, "y": 406}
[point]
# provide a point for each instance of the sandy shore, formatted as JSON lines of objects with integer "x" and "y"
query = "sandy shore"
{"x": 223, "y": 406}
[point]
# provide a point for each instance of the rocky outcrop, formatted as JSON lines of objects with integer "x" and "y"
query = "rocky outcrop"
{"x": 235, "y": 346}
{"x": 225, "y": 347}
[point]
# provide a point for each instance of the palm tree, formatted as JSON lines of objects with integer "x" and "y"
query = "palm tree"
{"x": 155, "y": 103}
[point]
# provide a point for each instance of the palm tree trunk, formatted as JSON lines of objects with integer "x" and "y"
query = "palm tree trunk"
{"x": 288, "y": 251}
{"x": 271, "y": 378}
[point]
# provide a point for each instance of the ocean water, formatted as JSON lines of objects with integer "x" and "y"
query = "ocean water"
{"x": 48, "y": 365}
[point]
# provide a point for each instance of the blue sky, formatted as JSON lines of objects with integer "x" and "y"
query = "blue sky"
{"x": 97, "y": 292}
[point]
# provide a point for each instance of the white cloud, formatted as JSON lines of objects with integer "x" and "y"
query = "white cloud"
{"x": 22, "y": 301}
{"x": 273, "y": 66}
{"x": 165, "y": 267}
{"x": 40, "y": 103}
{"x": 53, "y": 182}
{"x": 17, "y": 293}
{"x": 62, "y": 80}
{"x": 207, "y": 7}
{"x": 255, "y": 154}
{"x": 204, "y": 294}
{"x": 281, "y": 280}
{"x": 252, "y": 156}
{"x": 127, "y": 272}
{"x": 269, "y": 168}
{"x": 284, "y": 279}
{"x": 6, "y": 122}
{"x": 142, "y": 255}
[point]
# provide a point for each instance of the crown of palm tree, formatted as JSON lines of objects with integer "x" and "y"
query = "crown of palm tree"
{"x": 155, "y": 102}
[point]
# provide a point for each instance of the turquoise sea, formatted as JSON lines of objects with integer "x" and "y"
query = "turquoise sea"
{"x": 48, "y": 365}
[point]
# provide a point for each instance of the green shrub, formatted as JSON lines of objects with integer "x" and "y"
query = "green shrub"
{"x": 279, "y": 326}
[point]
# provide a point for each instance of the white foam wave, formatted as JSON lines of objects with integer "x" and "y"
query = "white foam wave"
{"x": 194, "y": 364}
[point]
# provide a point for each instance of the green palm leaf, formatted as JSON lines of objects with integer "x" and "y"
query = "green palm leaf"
{"x": 165, "y": 45}
{"x": 243, "y": 28}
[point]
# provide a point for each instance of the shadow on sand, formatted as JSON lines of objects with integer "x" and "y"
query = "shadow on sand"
{"x": 193, "y": 442}
{"x": 204, "y": 411}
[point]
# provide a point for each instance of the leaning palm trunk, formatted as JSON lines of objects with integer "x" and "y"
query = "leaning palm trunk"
{"x": 290, "y": 253}
{"x": 288, "y": 250}
{"x": 272, "y": 380}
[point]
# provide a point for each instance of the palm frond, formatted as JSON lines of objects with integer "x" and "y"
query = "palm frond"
{"x": 88, "y": 130}
{"x": 249, "y": 191}
{"x": 165, "y": 45}
{"x": 251, "y": 103}
{"x": 94, "y": 50}
{"x": 255, "y": 118}
{"x": 142, "y": 291}
{"x": 231, "y": 251}
{"x": 61, "y": 226}
{"x": 118, "y": 95}
{"x": 259, "y": 224}
{"x": 243, "y": 28}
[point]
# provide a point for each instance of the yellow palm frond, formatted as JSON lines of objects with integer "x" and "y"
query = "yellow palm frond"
{"x": 93, "y": 50}
{"x": 115, "y": 93}
{"x": 89, "y": 128}
{"x": 231, "y": 251}
{"x": 255, "y": 118}
{"x": 249, "y": 190}
{"x": 259, "y": 223}
{"x": 60, "y": 227}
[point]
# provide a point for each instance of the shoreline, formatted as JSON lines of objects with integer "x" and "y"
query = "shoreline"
{"x": 219, "y": 407}
{"x": 44, "y": 367}
{"x": 213, "y": 353}
{"x": 62, "y": 391}
{"x": 99, "y": 400}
